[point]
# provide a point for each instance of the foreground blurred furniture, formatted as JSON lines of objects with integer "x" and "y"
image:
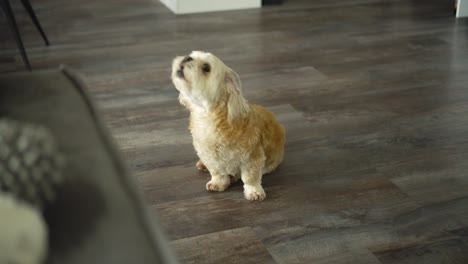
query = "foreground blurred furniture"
{"x": 6, "y": 7}
{"x": 98, "y": 215}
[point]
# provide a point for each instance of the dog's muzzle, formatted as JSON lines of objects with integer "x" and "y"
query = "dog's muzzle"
{"x": 180, "y": 71}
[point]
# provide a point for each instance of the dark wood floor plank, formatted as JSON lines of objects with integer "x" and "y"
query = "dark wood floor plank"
{"x": 307, "y": 244}
{"x": 461, "y": 234}
{"x": 450, "y": 251}
{"x": 230, "y": 246}
{"x": 326, "y": 205}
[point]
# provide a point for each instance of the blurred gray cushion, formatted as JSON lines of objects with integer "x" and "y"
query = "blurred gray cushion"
{"x": 99, "y": 216}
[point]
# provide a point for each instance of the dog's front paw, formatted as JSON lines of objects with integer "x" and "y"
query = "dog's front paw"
{"x": 217, "y": 186}
{"x": 254, "y": 193}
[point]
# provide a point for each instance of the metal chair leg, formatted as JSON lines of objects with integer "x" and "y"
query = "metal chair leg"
{"x": 32, "y": 14}
{"x": 14, "y": 28}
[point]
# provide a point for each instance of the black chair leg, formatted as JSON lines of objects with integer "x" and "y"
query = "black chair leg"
{"x": 28, "y": 7}
{"x": 12, "y": 21}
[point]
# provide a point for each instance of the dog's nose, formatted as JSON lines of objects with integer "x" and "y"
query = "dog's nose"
{"x": 187, "y": 59}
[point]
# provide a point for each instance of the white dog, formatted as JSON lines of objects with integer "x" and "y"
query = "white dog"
{"x": 233, "y": 139}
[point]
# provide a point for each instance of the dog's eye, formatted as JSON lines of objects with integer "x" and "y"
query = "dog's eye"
{"x": 206, "y": 67}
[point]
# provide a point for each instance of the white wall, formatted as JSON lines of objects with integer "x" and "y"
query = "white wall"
{"x": 462, "y": 10}
{"x": 198, "y": 6}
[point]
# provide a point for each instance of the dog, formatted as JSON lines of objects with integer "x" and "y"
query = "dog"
{"x": 232, "y": 138}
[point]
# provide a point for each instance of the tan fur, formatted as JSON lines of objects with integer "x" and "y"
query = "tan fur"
{"x": 233, "y": 139}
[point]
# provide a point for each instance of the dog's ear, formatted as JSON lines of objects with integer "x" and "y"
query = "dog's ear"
{"x": 236, "y": 104}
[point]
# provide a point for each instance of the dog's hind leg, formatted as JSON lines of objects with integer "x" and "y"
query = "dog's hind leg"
{"x": 219, "y": 182}
{"x": 234, "y": 178}
{"x": 201, "y": 166}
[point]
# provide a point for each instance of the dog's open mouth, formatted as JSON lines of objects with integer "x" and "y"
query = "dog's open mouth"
{"x": 180, "y": 73}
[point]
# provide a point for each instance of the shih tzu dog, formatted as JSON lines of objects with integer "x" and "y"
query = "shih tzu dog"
{"x": 233, "y": 139}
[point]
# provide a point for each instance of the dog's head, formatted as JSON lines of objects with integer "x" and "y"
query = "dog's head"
{"x": 205, "y": 82}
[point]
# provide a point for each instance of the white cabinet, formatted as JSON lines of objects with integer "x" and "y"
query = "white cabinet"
{"x": 462, "y": 10}
{"x": 198, "y": 6}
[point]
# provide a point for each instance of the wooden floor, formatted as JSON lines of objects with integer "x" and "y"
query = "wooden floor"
{"x": 373, "y": 94}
